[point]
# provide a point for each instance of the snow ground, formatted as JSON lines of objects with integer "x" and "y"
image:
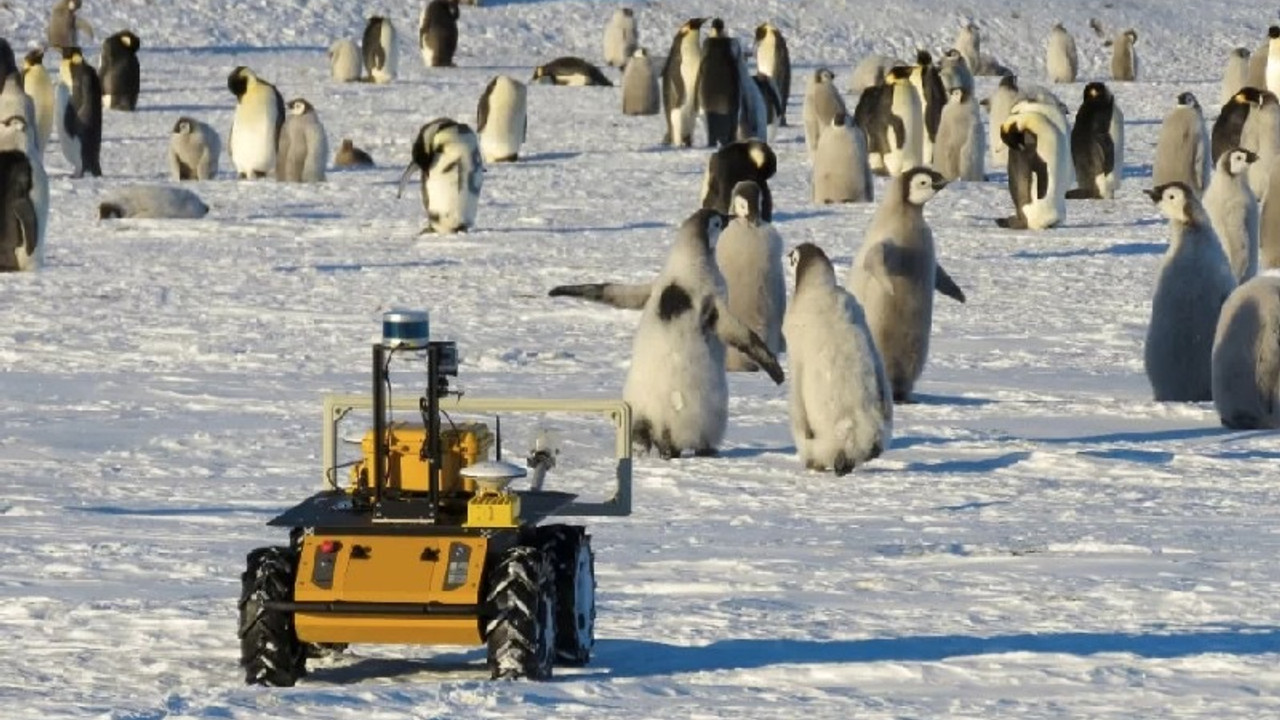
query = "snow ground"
{"x": 1042, "y": 540}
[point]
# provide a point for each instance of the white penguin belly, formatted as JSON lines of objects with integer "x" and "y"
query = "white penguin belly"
{"x": 253, "y": 139}
{"x": 677, "y": 382}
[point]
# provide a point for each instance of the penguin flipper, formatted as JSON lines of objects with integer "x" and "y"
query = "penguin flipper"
{"x": 733, "y": 332}
{"x": 618, "y": 295}
{"x": 482, "y": 112}
{"x": 943, "y": 283}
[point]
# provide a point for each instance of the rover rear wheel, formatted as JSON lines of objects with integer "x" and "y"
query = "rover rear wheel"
{"x": 270, "y": 652}
{"x": 521, "y": 632}
{"x": 569, "y": 547}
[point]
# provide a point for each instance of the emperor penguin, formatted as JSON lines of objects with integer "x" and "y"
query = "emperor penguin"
{"x": 1038, "y": 168}
{"x": 753, "y": 117}
{"x": 1245, "y": 362}
{"x": 1258, "y": 61}
{"x": 1273, "y": 60}
{"x": 379, "y": 48}
{"x": 998, "y": 106}
{"x": 841, "y": 402}
{"x": 773, "y": 60}
{"x": 772, "y": 104}
{"x": 927, "y": 82}
{"x": 349, "y": 156}
{"x": 1097, "y": 144}
{"x": 1233, "y": 212}
{"x": 743, "y": 160}
{"x": 822, "y": 102}
{"x": 120, "y": 71}
{"x": 194, "y": 150}
{"x": 676, "y": 385}
{"x": 620, "y": 37}
{"x": 1236, "y": 75}
{"x": 1124, "y": 57}
{"x": 65, "y": 25}
{"x": 154, "y": 202}
{"x": 1194, "y": 281}
{"x": 345, "y": 63}
{"x": 841, "y": 171}
{"x": 8, "y": 61}
{"x": 1228, "y": 129}
{"x": 80, "y": 127}
{"x": 1261, "y": 134}
{"x": 871, "y": 72}
{"x": 640, "y": 86}
{"x": 904, "y": 121}
{"x": 47, "y": 96}
{"x": 1269, "y": 232}
{"x": 18, "y": 135}
{"x": 502, "y": 119}
{"x": 1182, "y": 148}
{"x": 21, "y": 232}
{"x": 256, "y": 124}
{"x": 572, "y": 71}
{"x": 969, "y": 44}
{"x": 954, "y": 71}
{"x": 1061, "y": 58}
{"x": 438, "y": 32}
{"x": 894, "y": 276}
{"x": 304, "y": 144}
{"x": 960, "y": 150}
{"x": 448, "y": 155}
{"x": 749, "y": 257}
{"x": 679, "y": 79}
{"x": 719, "y": 86}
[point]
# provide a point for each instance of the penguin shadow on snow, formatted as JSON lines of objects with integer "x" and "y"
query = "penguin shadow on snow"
{"x": 976, "y": 465}
{"x": 1118, "y": 249}
{"x": 335, "y": 267}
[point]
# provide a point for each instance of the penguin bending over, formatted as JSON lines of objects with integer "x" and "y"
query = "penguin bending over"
{"x": 1245, "y": 363}
{"x": 21, "y": 233}
{"x": 822, "y": 102}
{"x": 380, "y": 51}
{"x": 640, "y": 86}
{"x": 1228, "y": 129}
{"x": 1182, "y": 149}
{"x": 749, "y": 257}
{"x": 120, "y": 71}
{"x": 679, "y": 80}
{"x": 80, "y": 127}
{"x": 502, "y": 119}
{"x": 1233, "y": 212}
{"x": 47, "y": 97}
{"x": 1097, "y": 144}
{"x": 194, "y": 150}
{"x": 841, "y": 172}
{"x": 155, "y": 202}
{"x": 438, "y": 33}
{"x": 304, "y": 145}
{"x": 719, "y": 86}
{"x": 1061, "y": 58}
{"x": 1124, "y": 57}
{"x": 841, "y": 403}
{"x": 620, "y": 37}
{"x": 1194, "y": 280}
{"x": 345, "y": 64}
{"x": 256, "y": 124}
{"x": 349, "y": 156}
{"x": 960, "y": 149}
{"x": 773, "y": 60}
{"x": 1236, "y": 76}
{"x": 570, "y": 71}
{"x": 750, "y": 160}
{"x": 894, "y": 276}
{"x": 448, "y": 155}
{"x": 1038, "y": 169}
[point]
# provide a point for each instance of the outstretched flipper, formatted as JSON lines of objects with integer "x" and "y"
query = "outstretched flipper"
{"x": 619, "y": 295}
{"x": 717, "y": 318}
{"x": 943, "y": 283}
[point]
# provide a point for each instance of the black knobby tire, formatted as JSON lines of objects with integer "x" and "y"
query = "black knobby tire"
{"x": 270, "y": 652}
{"x": 520, "y": 629}
{"x": 569, "y": 547}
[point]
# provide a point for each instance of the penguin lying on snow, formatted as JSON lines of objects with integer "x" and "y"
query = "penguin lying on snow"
{"x": 153, "y": 202}
{"x": 570, "y": 71}
{"x": 1246, "y": 356}
{"x": 350, "y": 156}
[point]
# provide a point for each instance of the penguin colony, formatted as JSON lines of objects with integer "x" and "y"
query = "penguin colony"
{"x": 720, "y": 304}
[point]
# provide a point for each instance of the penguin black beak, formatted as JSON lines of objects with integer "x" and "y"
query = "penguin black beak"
{"x": 1154, "y": 194}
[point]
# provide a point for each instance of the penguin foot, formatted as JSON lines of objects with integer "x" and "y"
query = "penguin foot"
{"x": 842, "y": 465}
{"x": 706, "y": 452}
{"x": 1082, "y": 194}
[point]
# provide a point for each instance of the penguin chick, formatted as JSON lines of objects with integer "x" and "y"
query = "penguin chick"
{"x": 304, "y": 145}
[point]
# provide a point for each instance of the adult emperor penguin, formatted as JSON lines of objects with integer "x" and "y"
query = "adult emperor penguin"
{"x": 304, "y": 145}
{"x": 1269, "y": 232}
{"x": 719, "y": 86}
{"x": 998, "y": 106}
{"x": 1124, "y": 56}
{"x": 47, "y": 96}
{"x": 256, "y": 124}
{"x": 640, "y": 86}
{"x": 1097, "y": 144}
{"x": 841, "y": 172}
{"x": 120, "y": 71}
{"x": 894, "y": 276}
{"x": 1193, "y": 282}
{"x": 822, "y": 102}
{"x": 904, "y": 122}
{"x": 743, "y": 160}
{"x": 65, "y": 25}
{"x": 1245, "y": 363}
{"x": 841, "y": 403}
{"x": 380, "y": 50}
{"x": 502, "y": 119}
{"x": 773, "y": 60}
{"x": 1261, "y": 134}
{"x": 1061, "y": 59}
{"x": 927, "y": 82}
{"x": 80, "y": 127}
{"x": 19, "y": 136}
{"x": 1039, "y": 169}
{"x": 753, "y": 117}
{"x": 1182, "y": 148}
{"x": 772, "y": 103}
{"x": 1236, "y": 75}
{"x": 676, "y": 384}
{"x": 448, "y": 155}
{"x": 345, "y": 64}
{"x": 954, "y": 71}
{"x": 1233, "y": 212}
{"x": 679, "y": 78}
{"x": 20, "y": 230}
{"x": 620, "y": 37}
{"x": 1273, "y": 60}
{"x": 1228, "y": 129}
{"x": 349, "y": 156}
{"x": 749, "y": 256}
{"x": 194, "y": 150}
{"x": 438, "y": 33}
{"x": 155, "y": 202}
{"x": 570, "y": 70}
{"x": 960, "y": 150}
